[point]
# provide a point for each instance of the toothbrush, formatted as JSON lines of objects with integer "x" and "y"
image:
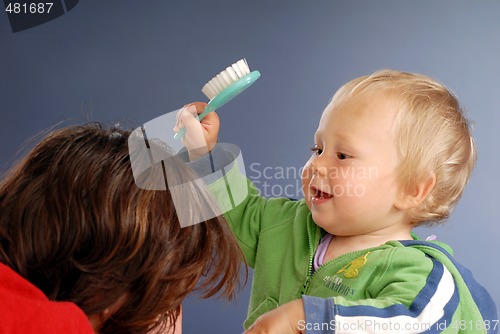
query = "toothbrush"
{"x": 224, "y": 87}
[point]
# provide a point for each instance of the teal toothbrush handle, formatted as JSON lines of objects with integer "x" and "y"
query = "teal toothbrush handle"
{"x": 224, "y": 97}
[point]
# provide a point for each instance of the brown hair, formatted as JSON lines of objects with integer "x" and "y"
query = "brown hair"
{"x": 434, "y": 136}
{"x": 74, "y": 223}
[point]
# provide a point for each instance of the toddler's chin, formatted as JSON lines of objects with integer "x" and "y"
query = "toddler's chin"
{"x": 320, "y": 221}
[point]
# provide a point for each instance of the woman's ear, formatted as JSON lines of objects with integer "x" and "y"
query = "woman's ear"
{"x": 411, "y": 198}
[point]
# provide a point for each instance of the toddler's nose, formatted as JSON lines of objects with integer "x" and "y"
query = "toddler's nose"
{"x": 318, "y": 170}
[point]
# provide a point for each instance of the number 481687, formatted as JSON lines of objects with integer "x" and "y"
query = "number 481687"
{"x": 29, "y": 8}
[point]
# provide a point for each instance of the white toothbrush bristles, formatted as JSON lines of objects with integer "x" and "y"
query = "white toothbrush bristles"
{"x": 225, "y": 78}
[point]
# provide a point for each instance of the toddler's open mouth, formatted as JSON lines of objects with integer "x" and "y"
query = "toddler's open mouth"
{"x": 319, "y": 196}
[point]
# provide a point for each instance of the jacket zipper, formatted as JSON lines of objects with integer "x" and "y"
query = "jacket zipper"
{"x": 310, "y": 277}
{"x": 311, "y": 259}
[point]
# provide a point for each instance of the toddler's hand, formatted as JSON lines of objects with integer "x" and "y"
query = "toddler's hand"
{"x": 201, "y": 136}
{"x": 283, "y": 320}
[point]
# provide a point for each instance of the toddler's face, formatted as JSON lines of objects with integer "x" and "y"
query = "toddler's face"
{"x": 349, "y": 182}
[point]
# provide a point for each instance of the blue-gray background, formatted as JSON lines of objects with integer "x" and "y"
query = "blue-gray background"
{"x": 130, "y": 61}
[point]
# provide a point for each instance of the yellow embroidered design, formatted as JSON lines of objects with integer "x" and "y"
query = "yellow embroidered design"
{"x": 350, "y": 270}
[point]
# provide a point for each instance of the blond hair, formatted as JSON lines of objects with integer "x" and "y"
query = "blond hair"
{"x": 434, "y": 136}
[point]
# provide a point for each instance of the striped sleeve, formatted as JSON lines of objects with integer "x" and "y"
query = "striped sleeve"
{"x": 430, "y": 311}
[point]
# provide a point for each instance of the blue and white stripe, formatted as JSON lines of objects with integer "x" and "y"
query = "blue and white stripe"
{"x": 430, "y": 311}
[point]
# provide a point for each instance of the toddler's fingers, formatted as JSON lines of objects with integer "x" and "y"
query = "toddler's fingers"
{"x": 211, "y": 119}
{"x": 183, "y": 114}
{"x": 211, "y": 122}
{"x": 194, "y": 108}
{"x": 200, "y": 106}
{"x": 187, "y": 118}
{"x": 211, "y": 125}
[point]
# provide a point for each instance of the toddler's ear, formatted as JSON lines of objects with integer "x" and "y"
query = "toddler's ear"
{"x": 413, "y": 197}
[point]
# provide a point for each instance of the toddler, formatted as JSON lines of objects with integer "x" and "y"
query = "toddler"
{"x": 392, "y": 151}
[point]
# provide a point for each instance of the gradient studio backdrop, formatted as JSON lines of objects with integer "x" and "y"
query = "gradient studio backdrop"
{"x": 130, "y": 61}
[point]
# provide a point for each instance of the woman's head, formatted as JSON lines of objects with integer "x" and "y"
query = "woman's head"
{"x": 74, "y": 223}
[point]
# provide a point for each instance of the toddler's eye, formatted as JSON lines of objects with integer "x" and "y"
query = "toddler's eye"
{"x": 343, "y": 156}
{"x": 316, "y": 150}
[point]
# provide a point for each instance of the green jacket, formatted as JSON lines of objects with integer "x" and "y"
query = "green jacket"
{"x": 409, "y": 286}
{"x": 401, "y": 286}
